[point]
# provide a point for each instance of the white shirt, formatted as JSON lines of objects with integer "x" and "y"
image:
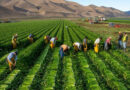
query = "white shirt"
{"x": 97, "y": 41}
{"x": 77, "y": 44}
{"x": 53, "y": 40}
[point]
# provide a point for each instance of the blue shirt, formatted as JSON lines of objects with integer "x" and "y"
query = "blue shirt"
{"x": 30, "y": 35}
{"x": 12, "y": 55}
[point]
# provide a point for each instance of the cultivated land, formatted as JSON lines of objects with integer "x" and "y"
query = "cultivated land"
{"x": 39, "y": 67}
{"x": 105, "y": 31}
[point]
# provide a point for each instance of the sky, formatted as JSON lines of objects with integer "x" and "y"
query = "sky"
{"x": 123, "y": 5}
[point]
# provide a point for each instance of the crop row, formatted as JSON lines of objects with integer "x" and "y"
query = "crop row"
{"x": 21, "y": 28}
{"x": 39, "y": 67}
{"x": 38, "y": 36}
{"x": 89, "y": 78}
{"x": 35, "y": 31}
{"x": 32, "y": 48}
{"x": 113, "y": 68}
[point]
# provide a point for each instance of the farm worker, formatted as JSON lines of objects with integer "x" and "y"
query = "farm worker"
{"x": 14, "y": 41}
{"x": 30, "y": 38}
{"x": 85, "y": 44}
{"x": 120, "y": 40}
{"x": 63, "y": 49}
{"x": 47, "y": 39}
{"x": 96, "y": 44}
{"x": 108, "y": 44}
{"x": 125, "y": 39}
{"x": 66, "y": 27}
{"x": 53, "y": 42}
{"x": 77, "y": 46}
{"x": 11, "y": 59}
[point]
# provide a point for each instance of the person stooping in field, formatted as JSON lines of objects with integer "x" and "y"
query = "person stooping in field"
{"x": 63, "y": 50}
{"x": 47, "y": 39}
{"x": 66, "y": 27}
{"x": 85, "y": 44}
{"x": 120, "y": 40}
{"x": 96, "y": 44}
{"x": 53, "y": 42}
{"x": 14, "y": 41}
{"x": 77, "y": 46}
{"x": 125, "y": 39}
{"x": 11, "y": 59}
{"x": 107, "y": 44}
{"x": 30, "y": 38}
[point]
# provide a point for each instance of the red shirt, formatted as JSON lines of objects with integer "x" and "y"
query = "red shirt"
{"x": 108, "y": 41}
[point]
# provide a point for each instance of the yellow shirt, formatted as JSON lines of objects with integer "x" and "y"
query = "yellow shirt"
{"x": 125, "y": 38}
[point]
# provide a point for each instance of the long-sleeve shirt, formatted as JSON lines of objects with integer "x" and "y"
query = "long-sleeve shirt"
{"x": 53, "y": 40}
{"x": 14, "y": 37}
{"x": 97, "y": 41}
{"x": 120, "y": 37}
{"x": 108, "y": 41}
{"x": 85, "y": 41}
{"x": 12, "y": 55}
{"x": 77, "y": 44}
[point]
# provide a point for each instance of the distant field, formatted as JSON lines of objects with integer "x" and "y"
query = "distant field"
{"x": 119, "y": 20}
{"x": 39, "y": 67}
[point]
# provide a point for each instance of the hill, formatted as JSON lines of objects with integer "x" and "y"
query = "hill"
{"x": 58, "y": 8}
{"x": 127, "y": 12}
{"x": 5, "y": 13}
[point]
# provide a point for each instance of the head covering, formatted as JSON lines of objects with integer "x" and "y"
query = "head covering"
{"x": 16, "y": 52}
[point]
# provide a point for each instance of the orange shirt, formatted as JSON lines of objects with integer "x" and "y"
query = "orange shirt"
{"x": 65, "y": 47}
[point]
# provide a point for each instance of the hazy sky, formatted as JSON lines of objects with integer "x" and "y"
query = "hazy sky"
{"x": 123, "y": 5}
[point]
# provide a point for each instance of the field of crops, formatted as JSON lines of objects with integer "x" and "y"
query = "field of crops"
{"x": 39, "y": 67}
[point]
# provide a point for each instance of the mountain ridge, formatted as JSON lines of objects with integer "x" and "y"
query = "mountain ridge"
{"x": 127, "y": 12}
{"x": 57, "y": 8}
